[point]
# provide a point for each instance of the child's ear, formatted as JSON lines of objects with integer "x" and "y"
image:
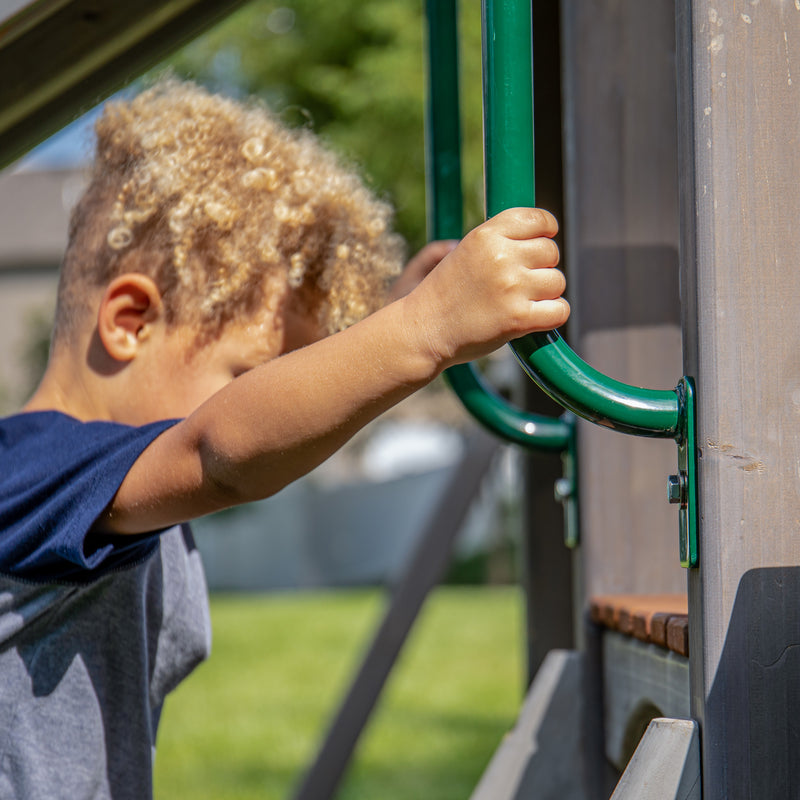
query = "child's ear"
{"x": 130, "y": 306}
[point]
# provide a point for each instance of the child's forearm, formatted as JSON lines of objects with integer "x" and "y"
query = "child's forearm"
{"x": 297, "y": 410}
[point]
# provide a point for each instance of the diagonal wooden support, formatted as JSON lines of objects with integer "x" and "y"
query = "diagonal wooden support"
{"x": 541, "y": 755}
{"x": 666, "y": 764}
{"x": 423, "y": 572}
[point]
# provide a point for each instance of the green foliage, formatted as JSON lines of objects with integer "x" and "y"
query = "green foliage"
{"x": 247, "y": 723}
{"x": 353, "y": 71}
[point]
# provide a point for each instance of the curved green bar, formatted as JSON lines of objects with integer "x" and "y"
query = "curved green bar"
{"x": 508, "y": 132}
{"x": 443, "y": 158}
{"x": 569, "y": 380}
{"x": 532, "y": 431}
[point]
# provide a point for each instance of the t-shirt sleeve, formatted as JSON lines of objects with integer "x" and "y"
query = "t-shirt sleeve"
{"x": 57, "y": 476}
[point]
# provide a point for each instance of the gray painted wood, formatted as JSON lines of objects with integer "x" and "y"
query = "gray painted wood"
{"x": 666, "y": 765}
{"x": 740, "y": 118}
{"x": 640, "y": 682}
{"x": 63, "y": 57}
{"x": 621, "y": 255}
{"x": 540, "y": 757}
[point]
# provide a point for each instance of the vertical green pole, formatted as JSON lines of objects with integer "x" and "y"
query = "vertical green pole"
{"x": 443, "y": 171}
{"x": 509, "y": 170}
{"x": 508, "y": 84}
{"x": 443, "y": 123}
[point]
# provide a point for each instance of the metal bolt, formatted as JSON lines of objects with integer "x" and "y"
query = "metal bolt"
{"x": 676, "y": 488}
{"x": 563, "y": 489}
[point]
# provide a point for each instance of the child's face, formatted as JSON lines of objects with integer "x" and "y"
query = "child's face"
{"x": 181, "y": 376}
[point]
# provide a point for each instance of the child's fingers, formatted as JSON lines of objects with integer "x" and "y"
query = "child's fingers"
{"x": 526, "y": 223}
{"x": 545, "y": 284}
{"x": 539, "y": 252}
{"x": 549, "y": 314}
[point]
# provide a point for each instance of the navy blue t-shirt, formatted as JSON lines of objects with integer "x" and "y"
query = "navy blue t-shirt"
{"x": 57, "y": 476}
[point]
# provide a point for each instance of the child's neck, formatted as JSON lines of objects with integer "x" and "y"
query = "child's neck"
{"x": 67, "y": 386}
{"x": 52, "y": 395}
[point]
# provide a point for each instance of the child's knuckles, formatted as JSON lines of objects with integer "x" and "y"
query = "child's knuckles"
{"x": 543, "y": 252}
{"x": 509, "y": 278}
{"x": 482, "y": 243}
{"x": 542, "y": 221}
{"x": 500, "y": 267}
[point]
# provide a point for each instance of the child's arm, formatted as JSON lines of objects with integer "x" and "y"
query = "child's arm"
{"x": 280, "y": 420}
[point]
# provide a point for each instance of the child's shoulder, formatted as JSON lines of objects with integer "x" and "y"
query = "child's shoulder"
{"x": 59, "y": 436}
{"x": 57, "y": 475}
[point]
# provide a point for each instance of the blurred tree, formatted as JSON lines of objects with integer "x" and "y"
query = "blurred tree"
{"x": 353, "y": 71}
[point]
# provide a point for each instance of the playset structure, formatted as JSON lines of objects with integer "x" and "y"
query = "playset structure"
{"x": 663, "y": 644}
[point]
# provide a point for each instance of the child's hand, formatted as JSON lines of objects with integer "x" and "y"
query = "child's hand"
{"x": 419, "y": 266}
{"x": 496, "y": 285}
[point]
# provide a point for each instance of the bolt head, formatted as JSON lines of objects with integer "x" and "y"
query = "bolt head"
{"x": 675, "y": 490}
{"x": 563, "y": 489}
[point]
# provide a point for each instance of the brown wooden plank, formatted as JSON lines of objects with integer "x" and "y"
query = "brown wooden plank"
{"x": 596, "y": 610}
{"x": 678, "y": 634}
{"x": 633, "y": 614}
{"x": 643, "y": 622}
{"x": 658, "y": 628}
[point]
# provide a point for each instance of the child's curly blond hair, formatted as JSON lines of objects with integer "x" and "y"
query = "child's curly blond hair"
{"x": 212, "y": 198}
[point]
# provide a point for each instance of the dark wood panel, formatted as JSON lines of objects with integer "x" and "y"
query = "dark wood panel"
{"x": 621, "y": 251}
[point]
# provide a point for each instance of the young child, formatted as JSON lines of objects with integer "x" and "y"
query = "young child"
{"x": 211, "y": 246}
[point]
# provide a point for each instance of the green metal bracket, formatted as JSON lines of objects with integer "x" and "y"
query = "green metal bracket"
{"x": 682, "y": 488}
{"x": 566, "y": 488}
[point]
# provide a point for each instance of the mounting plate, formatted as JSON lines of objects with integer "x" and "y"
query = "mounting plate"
{"x": 683, "y": 488}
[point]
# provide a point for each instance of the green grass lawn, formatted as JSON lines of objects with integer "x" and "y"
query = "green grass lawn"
{"x": 246, "y": 724}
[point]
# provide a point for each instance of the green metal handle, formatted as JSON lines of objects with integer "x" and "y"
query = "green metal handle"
{"x": 590, "y": 394}
{"x": 509, "y": 166}
{"x": 445, "y": 221}
{"x": 533, "y": 431}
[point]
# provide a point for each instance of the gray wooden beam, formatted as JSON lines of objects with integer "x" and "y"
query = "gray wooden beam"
{"x": 666, "y": 764}
{"x": 61, "y": 57}
{"x": 541, "y": 755}
{"x": 425, "y": 568}
{"x": 739, "y": 69}
{"x": 640, "y": 682}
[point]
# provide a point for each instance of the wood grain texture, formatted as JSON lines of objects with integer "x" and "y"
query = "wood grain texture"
{"x": 738, "y": 71}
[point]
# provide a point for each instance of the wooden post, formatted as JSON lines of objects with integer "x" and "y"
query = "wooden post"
{"x": 621, "y": 254}
{"x": 739, "y": 84}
